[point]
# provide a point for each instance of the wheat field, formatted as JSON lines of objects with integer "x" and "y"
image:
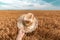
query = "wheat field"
{"x": 48, "y": 28}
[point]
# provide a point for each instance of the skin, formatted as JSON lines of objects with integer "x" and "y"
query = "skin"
{"x": 20, "y": 34}
{"x": 29, "y": 25}
{"x": 21, "y": 30}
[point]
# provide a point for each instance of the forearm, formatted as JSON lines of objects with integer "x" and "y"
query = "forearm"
{"x": 20, "y": 35}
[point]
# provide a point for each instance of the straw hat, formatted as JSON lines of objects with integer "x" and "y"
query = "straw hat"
{"x": 28, "y": 22}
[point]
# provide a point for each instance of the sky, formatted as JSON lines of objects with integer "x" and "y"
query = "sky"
{"x": 29, "y": 4}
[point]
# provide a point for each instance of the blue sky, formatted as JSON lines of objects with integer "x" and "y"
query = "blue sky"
{"x": 29, "y": 4}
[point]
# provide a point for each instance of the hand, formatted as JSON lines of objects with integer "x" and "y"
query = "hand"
{"x": 20, "y": 34}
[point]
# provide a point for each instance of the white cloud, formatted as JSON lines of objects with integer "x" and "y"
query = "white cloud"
{"x": 19, "y": 4}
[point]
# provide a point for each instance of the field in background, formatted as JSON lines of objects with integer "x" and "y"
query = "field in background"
{"x": 49, "y": 23}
